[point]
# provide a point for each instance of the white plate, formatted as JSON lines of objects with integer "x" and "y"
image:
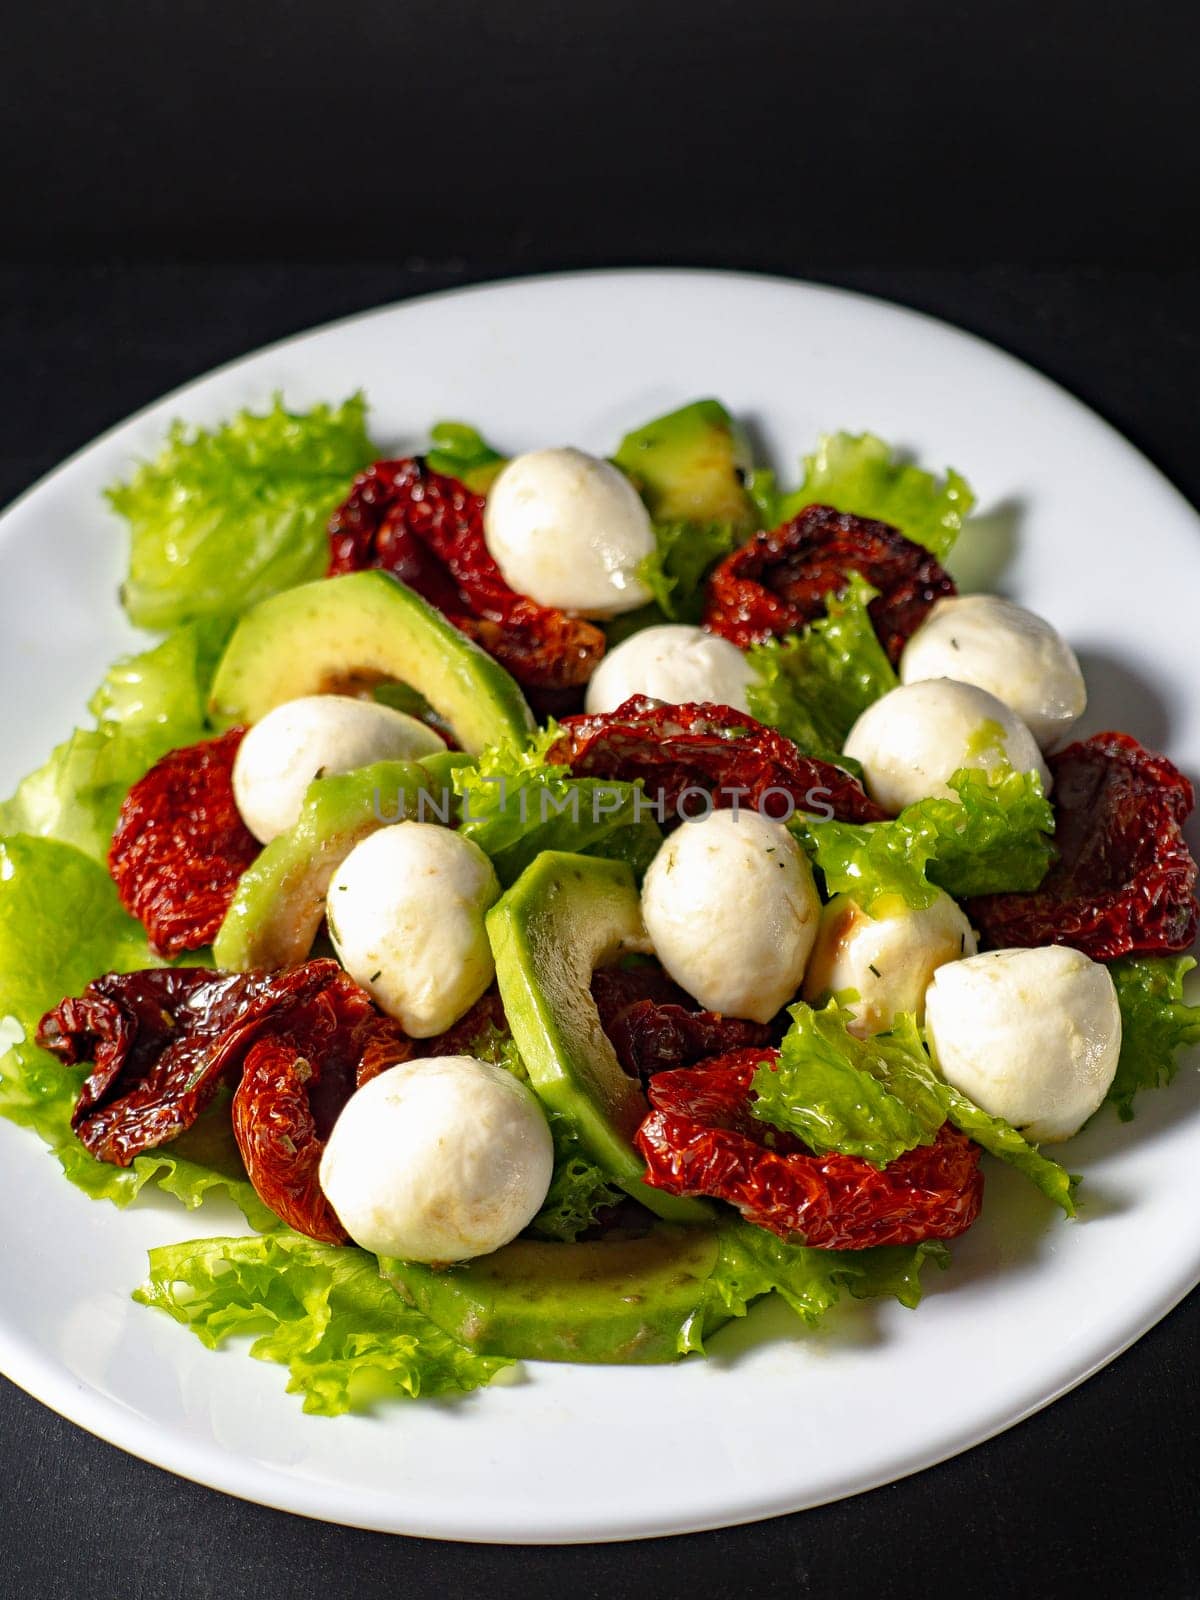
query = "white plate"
{"x": 774, "y": 1422}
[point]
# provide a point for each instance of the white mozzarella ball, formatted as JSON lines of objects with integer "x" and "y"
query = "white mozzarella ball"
{"x": 675, "y": 663}
{"x": 406, "y": 915}
{"x": 1030, "y": 1035}
{"x": 438, "y": 1160}
{"x": 731, "y": 909}
{"x": 914, "y": 739}
{"x": 314, "y": 737}
{"x": 887, "y": 958}
{"x": 1012, "y": 653}
{"x": 569, "y": 530}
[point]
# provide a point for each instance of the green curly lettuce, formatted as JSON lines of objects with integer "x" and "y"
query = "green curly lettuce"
{"x": 856, "y": 1097}
{"x": 322, "y": 1311}
{"x": 878, "y": 1097}
{"x": 677, "y": 569}
{"x": 752, "y": 1262}
{"x": 994, "y": 839}
{"x": 515, "y": 804}
{"x": 460, "y": 451}
{"x": 1156, "y": 1024}
{"x": 814, "y": 685}
{"x": 863, "y": 474}
{"x": 148, "y": 704}
{"x": 60, "y": 925}
{"x": 223, "y": 518}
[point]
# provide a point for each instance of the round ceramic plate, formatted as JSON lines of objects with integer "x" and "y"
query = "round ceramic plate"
{"x": 1071, "y": 521}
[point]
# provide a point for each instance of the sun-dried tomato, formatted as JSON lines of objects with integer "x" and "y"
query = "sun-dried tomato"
{"x": 653, "y": 1025}
{"x": 163, "y": 1040}
{"x": 303, "y": 1063}
{"x": 686, "y": 753}
{"x": 781, "y": 580}
{"x": 1124, "y": 882}
{"x": 701, "y": 1139}
{"x": 180, "y": 845}
{"x": 427, "y": 529}
{"x": 157, "y": 1041}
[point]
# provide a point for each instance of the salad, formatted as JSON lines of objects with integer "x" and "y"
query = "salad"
{"x": 561, "y": 900}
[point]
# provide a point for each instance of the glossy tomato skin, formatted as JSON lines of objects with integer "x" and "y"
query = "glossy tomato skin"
{"x": 180, "y": 845}
{"x": 304, "y": 1063}
{"x": 1124, "y": 882}
{"x": 296, "y": 1045}
{"x": 155, "y": 1040}
{"x": 701, "y": 1139}
{"x": 687, "y": 752}
{"x": 427, "y": 529}
{"x": 781, "y": 580}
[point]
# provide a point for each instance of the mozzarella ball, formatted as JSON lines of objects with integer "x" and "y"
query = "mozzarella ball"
{"x": 1012, "y": 653}
{"x": 438, "y": 1160}
{"x": 674, "y": 663}
{"x": 569, "y": 530}
{"x": 888, "y": 957}
{"x": 731, "y": 909}
{"x": 315, "y": 737}
{"x": 1030, "y": 1035}
{"x": 914, "y": 739}
{"x": 406, "y": 915}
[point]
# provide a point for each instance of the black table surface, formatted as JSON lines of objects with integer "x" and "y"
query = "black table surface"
{"x": 1095, "y": 1492}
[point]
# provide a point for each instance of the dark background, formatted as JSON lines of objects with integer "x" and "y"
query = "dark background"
{"x": 184, "y": 181}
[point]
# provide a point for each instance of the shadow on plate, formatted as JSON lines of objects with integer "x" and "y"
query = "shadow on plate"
{"x": 986, "y": 547}
{"x": 1122, "y": 698}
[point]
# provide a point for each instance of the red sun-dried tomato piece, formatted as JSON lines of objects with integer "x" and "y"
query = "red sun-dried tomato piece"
{"x": 427, "y": 529}
{"x": 650, "y": 1038}
{"x": 163, "y": 1040}
{"x": 701, "y": 1139}
{"x": 302, "y": 1063}
{"x": 155, "y": 1038}
{"x": 781, "y": 580}
{"x": 1124, "y": 882}
{"x": 654, "y": 1025}
{"x": 180, "y": 845}
{"x": 685, "y": 753}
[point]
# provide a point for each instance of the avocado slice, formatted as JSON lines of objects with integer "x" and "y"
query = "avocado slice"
{"x": 345, "y": 634}
{"x": 690, "y": 466}
{"x": 565, "y": 916}
{"x": 280, "y": 900}
{"x": 628, "y": 1301}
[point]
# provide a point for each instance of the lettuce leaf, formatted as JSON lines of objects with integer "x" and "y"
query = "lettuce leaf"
{"x": 835, "y": 1091}
{"x": 1156, "y": 1023}
{"x": 148, "y": 704}
{"x": 752, "y": 1262}
{"x": 994, "y": 839}
{"x": 515, "y": 805}
{"x": 322, "y": 1311}
{"x": 221, "y": 519}
{"x": 813, "y": 685}
{"x": 865, "y": 1097}
{"x": 676, "y": 570}
{"x": 578, "y": 1188}
{"x": 60, "y": 925}
{"x": 460, "y": 451}
{"x": 860, "y": 473}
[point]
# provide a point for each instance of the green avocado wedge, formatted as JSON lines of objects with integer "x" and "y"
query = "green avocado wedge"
{"x": 690, "y": 466}
{"x": 280, "y": 900}
{"x": 565, "y": 916}
{"x": 627, "y": 1301}
{"x": 345, "y": 634}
